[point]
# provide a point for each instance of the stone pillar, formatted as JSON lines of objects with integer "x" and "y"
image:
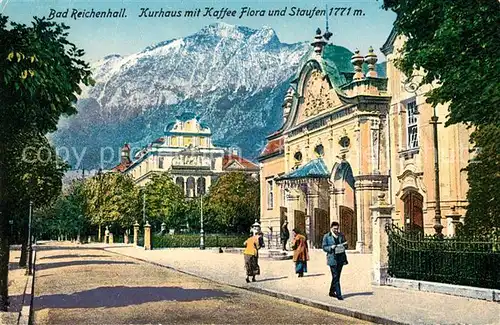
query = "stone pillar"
{"x": 110, "y": 240}
{"x": 381, "y": 218}
{"x": 452, "y": 220}
{"x": 147, "y": 236}
{"x": 125, "y": 238}
{"x": 292, "y": 200}
{"x": 136, "y": 233}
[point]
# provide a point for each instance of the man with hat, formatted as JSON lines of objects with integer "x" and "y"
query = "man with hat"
{"x": 285, "y": 235}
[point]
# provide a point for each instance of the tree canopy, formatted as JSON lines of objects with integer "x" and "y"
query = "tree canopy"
{"x": 41, "y": 72}
{"x": 234, "y": 201}
{"x": 457, "y": 44}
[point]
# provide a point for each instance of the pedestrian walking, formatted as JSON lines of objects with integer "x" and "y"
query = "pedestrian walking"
{"x": 335, "y": 244}
{"x": 285, "y": 234}
{"x": 300, "y": 252}
{"x": 251, "y": 255}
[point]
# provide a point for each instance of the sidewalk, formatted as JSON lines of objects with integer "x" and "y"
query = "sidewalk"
{"x": 378, "y": 304}
{"x": 17, "y": 286}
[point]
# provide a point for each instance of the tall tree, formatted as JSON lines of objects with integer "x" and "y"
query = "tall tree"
{"x": 165, "y": 201}
{"x": 456, "y": 44}
{"x": 111, "y": 199}
{"x": 234, "y": 202}
{"x": 40, "y": 75}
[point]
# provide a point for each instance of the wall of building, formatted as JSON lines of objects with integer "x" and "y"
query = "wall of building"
{"x": 414, "y": 169}
{"x": 272, "y": 168}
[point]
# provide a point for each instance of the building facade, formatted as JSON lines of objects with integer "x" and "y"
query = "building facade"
{"x": 349, "y": 134}
{"x": 187, "y": 152}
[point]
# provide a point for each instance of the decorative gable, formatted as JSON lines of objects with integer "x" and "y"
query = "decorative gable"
{"x": 318, "y": 97}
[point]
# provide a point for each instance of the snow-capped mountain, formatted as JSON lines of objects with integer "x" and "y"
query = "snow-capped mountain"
{"x": 233, "y": 77}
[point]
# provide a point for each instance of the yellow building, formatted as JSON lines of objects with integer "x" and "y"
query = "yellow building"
{"x": 187, "y": 152}
{"x": 345, "y": 138}
{"x": 412, "y": 166}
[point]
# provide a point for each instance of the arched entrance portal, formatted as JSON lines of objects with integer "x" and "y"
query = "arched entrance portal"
{"x": 348, "y": 225}
{"x": 344, "y": 208}
{"x": 413, "y": 207}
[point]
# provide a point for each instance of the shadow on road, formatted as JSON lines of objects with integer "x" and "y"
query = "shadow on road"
{"x": 313, "y": 275}
{"x": 271, "y": 279}
{"x": 124, "y": 296}
{"x": 15, "y": 303}
{"x": 45, "y": 266}
{"x": 71, "y": 256}
{"x": 347, "y": 295}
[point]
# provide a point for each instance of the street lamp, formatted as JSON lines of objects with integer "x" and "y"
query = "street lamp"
{"x": 438, "y": 227}
{"x": 202, "y": 233}
{"x": 30, "y": 243}
{"x": 99, "y": 178}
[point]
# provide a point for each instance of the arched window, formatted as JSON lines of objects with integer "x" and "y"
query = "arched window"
{"x": 180, "y": 182}
{"x": 200, "y": 186}
{"x": 190, "y": 187}
{"x": 413, "y": 211}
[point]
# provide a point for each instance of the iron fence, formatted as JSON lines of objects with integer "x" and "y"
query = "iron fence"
{"x": 464, "y": 260}
{"x": 273, "y": 239}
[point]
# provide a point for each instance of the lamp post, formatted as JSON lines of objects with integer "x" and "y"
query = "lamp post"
{"x": 413, "y": 86}
{"x": 30, "y": 243}
{"x": 144, "y": 207}
{"x": 202, "y": 233}
{"x": 438, "y": 227}
{"x": 99, "y": 178}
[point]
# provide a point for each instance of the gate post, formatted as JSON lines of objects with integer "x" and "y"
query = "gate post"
{"x": 381, "y": 218}
{"x": 147, "y": 236}
{"x": 136, "y": 233}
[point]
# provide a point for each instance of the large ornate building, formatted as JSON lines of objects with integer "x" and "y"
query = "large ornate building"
{"x": 187, "y": 152}
{"x": 346, "y": 137}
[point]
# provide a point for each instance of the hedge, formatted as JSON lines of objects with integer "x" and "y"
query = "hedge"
{"x": 193, "y": 240}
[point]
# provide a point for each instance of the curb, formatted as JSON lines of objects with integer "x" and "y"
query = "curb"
{"x": 26, "y": 313}
{"x": 304, "y": 301}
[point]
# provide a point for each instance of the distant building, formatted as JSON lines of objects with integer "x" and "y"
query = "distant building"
{"x": 187, "y": 152}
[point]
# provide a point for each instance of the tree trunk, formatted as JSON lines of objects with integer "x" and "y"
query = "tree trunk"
{"x": 4, "y": 231}
{"x": 4, "y": 262}
{"x": 24, "y": 247}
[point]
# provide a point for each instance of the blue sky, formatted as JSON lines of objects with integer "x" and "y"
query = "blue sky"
{"x": 102, "y": 36}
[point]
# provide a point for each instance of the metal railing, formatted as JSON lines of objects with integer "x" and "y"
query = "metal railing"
{"x": 464, "y": 260}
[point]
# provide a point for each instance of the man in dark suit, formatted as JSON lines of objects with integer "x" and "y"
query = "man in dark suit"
{"x": 335, "y": 244}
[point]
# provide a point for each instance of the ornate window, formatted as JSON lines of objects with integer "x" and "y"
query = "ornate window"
{"x": 270, "y": 195}
{"x": 412, "y": 125}
{"x": 319, "y": 150}
{"x": 298, "y": 157}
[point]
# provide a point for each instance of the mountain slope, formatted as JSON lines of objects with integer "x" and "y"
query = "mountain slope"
{"x": 233, "y": 77}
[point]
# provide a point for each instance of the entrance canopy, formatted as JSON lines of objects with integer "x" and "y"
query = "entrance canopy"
{"x": 314, "y": 169}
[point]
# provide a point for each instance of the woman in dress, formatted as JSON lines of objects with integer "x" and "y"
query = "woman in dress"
{"x": 300, "y": 252}
{"x": 251, "y": 254}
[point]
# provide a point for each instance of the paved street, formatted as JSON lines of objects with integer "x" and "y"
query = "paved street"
{"x": 85, "y": 285}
